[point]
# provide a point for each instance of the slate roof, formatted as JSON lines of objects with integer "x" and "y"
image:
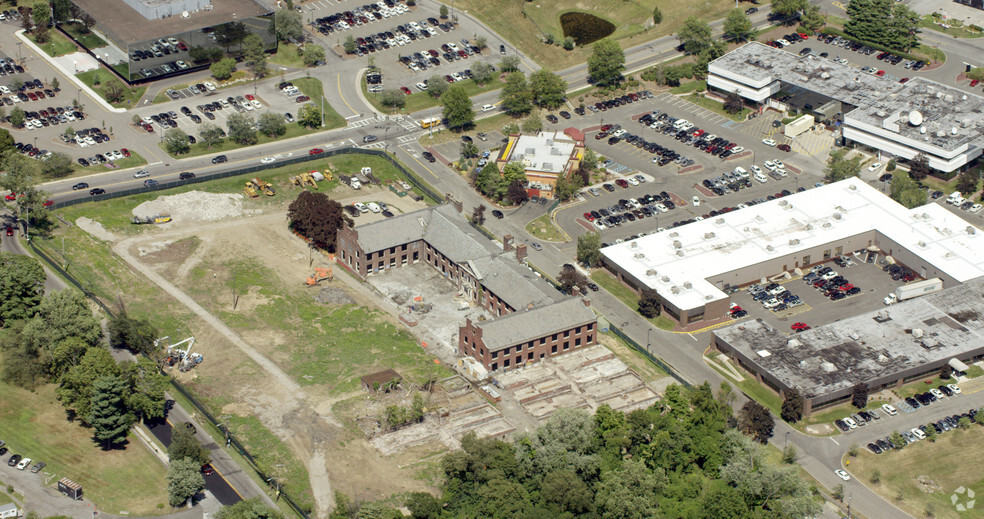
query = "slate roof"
{"x": 523, "y": 325}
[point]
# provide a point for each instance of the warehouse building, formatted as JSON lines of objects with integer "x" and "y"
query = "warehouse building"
{"x": 898, "y": 120}
{"x": 883, "y": 349}
{"x": 693, "y": 267}
{"x": 531, "y": 319}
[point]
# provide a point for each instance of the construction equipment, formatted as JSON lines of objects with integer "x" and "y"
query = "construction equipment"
{"x": 266, "y": 187}
{"x": 306, "y": 179}
{"x": 184, "y": 359}
{"x": 320, "y": 274}
{"x": 250, "y": 190}
{"x": 157, "y": 218}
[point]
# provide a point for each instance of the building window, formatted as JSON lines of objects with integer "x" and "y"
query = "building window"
{"x": 567, "y": 334}
{"x": 404, "y": 247}
{"x": 529, "y": 356}
{"x": 806, "y": 260}
{"x": 553, "y": 349}
{"x": 554, "y": 338}
{"x": 577, "y": 342}
{"x": 543, "y": 340}
{"x": 567, "y": 345}
{"x": 416, "y": 256}
{"x": 590, "y": 326}
{"x": 826, "y": 254}
{"x": 839, "y": 250}
{"x": 495, "y": 355}
{"x": 695, "y": 317}
{"x": 495, "y": 366}
{"x": 505, "y": 363}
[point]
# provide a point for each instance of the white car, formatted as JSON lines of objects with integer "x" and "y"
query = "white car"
{"x": 256, "y": 104}
{"x": 143, "y": 173}
{"x": 421, "y": 87}
{"x": 661, "y": 208}
{"x": 779, "y": 164}
{"x": 26, "y": 462}
{"x": 181, "y": 64}
{"x": 954, "y": 388}
{"x": 875, "y": 166}
{"x": 361, "y": 207}
{"x": 890, "y": 409}
{"x": 850, "y": 422}
{"x": 4, "y": 89}
{"x": 488, "y": 108}
{"x": 769, "y": 165}
{"x": 917, "y": 433}
{"x": 210, "y": 86}
{"x": 737, "y": 149}
{"x": 975, "y": 208}
{"x": 755, "y": 169}
{"x": 937, "y": 393}
{"x": 696, "y": 201}
{"x": 600, "y": 225}
{"x": 769, "y": 142}
{"x": 843, "y": 475}
{"x": 374, "y": 207}
{"x": 632, "y": 181}
{"x": 267, "y": 160}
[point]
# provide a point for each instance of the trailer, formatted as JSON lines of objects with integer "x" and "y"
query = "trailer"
{"x": 801, "y": 125}
{"x": 919, "y": 288}
{"x": 70, "y": 488}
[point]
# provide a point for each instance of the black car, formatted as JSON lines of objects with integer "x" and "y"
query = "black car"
{"x": 150, "y": 182}
{"x": 84, "y": 163}
{"x": 502, "y": 49}
{"x": 565, "y": 114}
{"x": 497, "y": 213}
{"x": 552, "y": 118}
{"x": 912, "y": 403}
{"x": 219, "y": 159}
{"x": 96, "y": 191}
{"x": 186, "y": 175}
{"x": 874, "y": 448}
{"x": 14, "y": 460}
{"x": 80, "y": 185}
{"x": 608, "y": 187}
{"x": 751, "y": 10}
{"x": 465, "y": 138}
{"x": 429, "y": 156}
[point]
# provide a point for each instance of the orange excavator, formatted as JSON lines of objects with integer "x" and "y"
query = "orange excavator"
{"x": 320, "y": 274}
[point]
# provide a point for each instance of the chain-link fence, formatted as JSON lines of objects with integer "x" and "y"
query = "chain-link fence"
{"x": 649, "y": 355}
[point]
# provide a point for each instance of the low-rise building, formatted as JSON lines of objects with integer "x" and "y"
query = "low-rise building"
{"x": 546, "y": 156}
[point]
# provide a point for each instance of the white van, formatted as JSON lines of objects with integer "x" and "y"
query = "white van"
{"x": 741, "y": 172}
{"x": 761, "y": 178}
{"x": 374, "y": 207}
{"x": 955, "y": 198}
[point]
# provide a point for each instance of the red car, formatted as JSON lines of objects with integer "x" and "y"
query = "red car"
{"x": 10, "y": 231}
{"x": 33, "y": 96}
{"x": 207, "y": 469}
{"x": 49, "y": 203}
{"x": 315, "y": 151}
{"x": 588, "y": 217}
{"x": 125, "y": 152}
{"x": 148, "y": 128}
{"x": 182, "y": 46}
{"x": 622, "y": 183}
{"x": 880, "y": 73}
{"x": 784, "y": 147}
{"x": 11, "y": 197}
{"x": 405, "y": 90}
{"x": 800, "y": 326}
{"x": 803, "y": 35}
{"x": 974, "y": 82}
{"x": 250, "y": 97}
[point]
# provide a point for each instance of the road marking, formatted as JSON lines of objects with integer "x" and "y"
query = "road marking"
{"x": 423, "y": 166}
{"x": 152, "y": 155}
{"x": 833, "y": 440}
{"x": 692, "y": 337}
{"x": 339, "y": 82}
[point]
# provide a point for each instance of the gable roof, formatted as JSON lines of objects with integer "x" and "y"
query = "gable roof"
{"x": 522, "y": 325}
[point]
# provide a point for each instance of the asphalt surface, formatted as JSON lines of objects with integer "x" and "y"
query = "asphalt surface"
{"x": 216, "y": 483}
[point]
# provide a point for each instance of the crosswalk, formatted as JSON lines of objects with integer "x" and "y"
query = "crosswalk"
{"x": 404, "y": 139}
{"x": 374, "y": 146}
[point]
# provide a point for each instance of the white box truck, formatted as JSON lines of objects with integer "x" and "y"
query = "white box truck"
{"x": 919, "y": 288}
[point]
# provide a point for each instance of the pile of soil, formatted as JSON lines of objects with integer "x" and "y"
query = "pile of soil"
{"x": 334, "y": 296}
{"x": 194, "y": 206}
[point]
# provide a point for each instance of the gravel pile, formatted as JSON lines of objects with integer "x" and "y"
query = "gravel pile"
{"x": 194, "y": 206}
{"x": 334, "y": 296}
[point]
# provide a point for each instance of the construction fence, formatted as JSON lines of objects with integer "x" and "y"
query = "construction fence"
{"x": 649, "y": 355}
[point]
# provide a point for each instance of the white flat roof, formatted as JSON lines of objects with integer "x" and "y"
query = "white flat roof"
{"x": 677, "y": 262}
{"x": 545, "y": 151}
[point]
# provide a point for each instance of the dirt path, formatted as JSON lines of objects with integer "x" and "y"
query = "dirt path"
{"x": 281, "y": 403}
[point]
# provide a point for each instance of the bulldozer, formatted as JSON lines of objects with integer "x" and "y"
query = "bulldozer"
{"x": 250, "y": 190}
{"x": 157, "y": 218}
{"x": 305, "y": 179}
{"x": 320, "y": 274}
{"x": 266, "y": 187}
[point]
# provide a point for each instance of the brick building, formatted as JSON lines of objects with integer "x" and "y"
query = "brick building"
{"x": 526, "y": 308}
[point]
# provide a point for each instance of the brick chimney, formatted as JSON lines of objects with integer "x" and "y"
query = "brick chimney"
{"x": 521, "y": 252}
{"x": 586, "y": 301}
{"x": 507, "y": 243}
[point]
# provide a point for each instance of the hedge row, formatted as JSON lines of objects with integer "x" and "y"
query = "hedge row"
{"x": 837, "y": 32}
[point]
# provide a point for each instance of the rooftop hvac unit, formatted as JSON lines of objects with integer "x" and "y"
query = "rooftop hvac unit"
{"x": 917, "y": 332}
{"x": 793, "y": 343}
{"x": 530, "y": 151}
{"x": 719, "y": 221}
{"x": 922, "y": 130}
{"x": 665, "y": 279}
{"x": 633, "y": 244}
{"x": 921, "y": 244}
{"x": 554, "y": 151}
{"x": 674, "y": 234}
{"x": 794, "y": 241}
{"x": 826, "y": 225}
{"x": 709, "y": 235}
{"x": 770, "y": 248}
{"x": 677, "y": 244}
{"x": 688, "y": 285}
{"x": 651, "y": 273}
{"x": 809, "y": 226}
{"x": 828, "y": 367}
{"x": 853, "y": 187}
{"x": 639, "y": 255}
{"x": 675, "y": 289}
{"x": 953, "y": 131}
{"x": 971, "y": 230}
{"x": 837, "y": 216}
{"x": 784, "y": 203}
{"x": 679, "y": 253}
{"x": 548, "y": 165}
{"x": 855, "y": 336}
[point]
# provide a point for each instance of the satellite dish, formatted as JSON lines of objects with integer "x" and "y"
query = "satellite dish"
{"x": 915, "y": 118}
{"x": 185, "y": 14}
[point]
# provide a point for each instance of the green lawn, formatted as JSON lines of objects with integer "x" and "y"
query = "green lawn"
{"x": 132, "y": 161}
{"x": 162, "y": 97}
{"x": 690, "y": 86}
{"x": 293, "y": 130}
{"x": 632, "y": 358}
{"x": 103, "y": 76}
{"x": 628, "y": 296}
{"x": 545, "y": 229}
{"x": 33, "y": 424}
{"x": 441, "y": 135}
{"x": 57, "y": 44}
{"x": 931, "y": 52}
{"x": 287, "y": 55}
{"x": 422, "y": 100}
{"x": 312, "y": 88}
{"x": 920, "y": 386}
{"x": 927, "y": 22}
{"x": 717, "y": 107}
{"x": 925, "y": 474}
{"x": 88, "y": 40}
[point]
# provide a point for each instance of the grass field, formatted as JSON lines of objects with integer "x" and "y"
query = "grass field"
{"x": 627, "y": 296}
{"x": 632, "y": 358}
{"x": 422, "y": 100}
{"x": 129, "y": 480}
{"x": 103, "y": 76}
{"x": 487, "y": 124}
{"x": 88, "y": 40}
{"x": 544, "y": 229}
{"x": 313, "y": 88}
{"x": 928, "y": 22}
{"x": 525, "y": 23}
{"x": 293, "y": 130}
{"x": 717, "y": 107}
{"x": 287, "y": 55}
{"x": 920, "y": 386}
{"x": 57, "y": 44}
{"x": 132, "y": 161}
{"x": 924, "y": 475}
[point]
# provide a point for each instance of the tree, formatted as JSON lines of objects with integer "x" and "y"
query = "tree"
{"x": 898, "y": 440}
{"x": 516, "y": 192}
{"x": 931, "y": 433}
{"x": 21, "y": 287}
{"x": 789, "y": 8}
{"x": 532, "y": 124}
{"x": 271, "y": 124}
{"x": 444, "y": 12}
{"x": 110, "y": 418}
{"x": 482, "y": 73}
{"x": 436, "y": 86}
{"x": 209, "y": 135}
{"x": 349, "y": 45}
{"x": 906, "y": 191}
{"x": 737, "y": 26}
{"x": 393, "y": 98}
{"x": 511, "y": 128}
{"x": 288, "y": 25}
{"x": 146, "y": 399}
{"x": 457, "y": 108}
{"x": 17, "y": 117}
{"x": 318, "y": 218}
{"x": 967, "y": 183}
{"x": 650, "y": 303}
{"x": 176, "y": 141}
{"x": 58, "y": 165}
{"x": 657, "y": 16}
{"x": 946, "y": 372}
{"x": 252, "y": 508}
{"x": 223, "y": 69}
{"x": 567, "y": 187}
{"x": 309, "y": 116}
{"x": 184, "y": 480}
{"x": 115, "y": 91}
{"x": 423, "y": 506}
{"x": 21, "y": 173}
{"x": 859, "y": 396}
{"x": 509, "y": 64}
{"x": 489, "y": 181}
{"x": 837, "y": 492}
{"x": 606, "y": 63}
{"x": 240, "y": 125}
{"x": 792, "y": 406}
{"x": 478, "y": 214}
{"x": 313, "y": 54}
{"x": 919, "y": 167}
{"x": 88, "y": 22}
{"x": 468, "y": 149}
{"x": 184, "y": 445}
{"x": 135, "y": 335}
{"x": 589, "y": 249}
{"x": 548, "y": 89}
{"x": 733, "y": 103}
{"x": 568, "y": 43}
{"x": 254, "y": 54}
{"x": 41, "y": 16}
{"x": 838, "y": 167}
{"x": 60, "y": 10}
{"x": 569, "y": 278}
{"x": 755, "y": 420}
{"x": 813, "y": 19}
{"x": 481, "y": 42}
{"x": 630, "y": 491}
{"x": 695, "y": 35}
{"x": 516, "y": 98}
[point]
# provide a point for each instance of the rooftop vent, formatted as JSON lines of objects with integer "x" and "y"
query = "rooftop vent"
{"x": 826, "y": 225}
{"x": 709, "y": 235}
{"x": 953, "y": 131}
{"x": 679, "y": 253}
{"x": 677, "y": 244}
{"x": 940, "y": 133}
{"x": 852, "y": 187}
{"x": 633, "y": 244}
{"x": 674, "y": 234}
{"x": 922, "y": 130}
{"x": 763, "y": 353}
{"x": 784, "y": 203}
{"x": 651, "y": 273}
{"x": 971, "y": 230}
{"x": 854, "y": 335}
{"x": 770, "y": 248}
{"x": 794, "y": 241}
{"x": 828, "y": 367}
{"x": 837, "y": 216}
{"x": 915, "y": 118}
{"x": 809, "y": 226}
{"x": 639, "y": 256}
{"x": 688, "y": 285}
{"x": 793, "y": 343}
{"x": 922, "y": 244}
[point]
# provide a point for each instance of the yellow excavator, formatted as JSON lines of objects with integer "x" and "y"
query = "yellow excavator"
{"x": 250, "y": 190}
{"x": 266, "y": 187}
{"x": 305, "y": 179}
